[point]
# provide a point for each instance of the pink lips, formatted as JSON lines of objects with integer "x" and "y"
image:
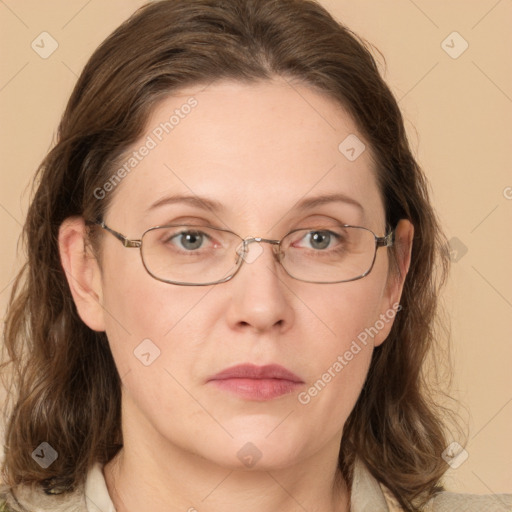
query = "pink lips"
{"x": 257, "y": 382}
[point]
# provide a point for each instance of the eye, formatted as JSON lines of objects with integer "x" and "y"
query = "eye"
{"x": 319, "y": 239}
{"x": 185, "y": 239}
{"x": 191, "y": 240}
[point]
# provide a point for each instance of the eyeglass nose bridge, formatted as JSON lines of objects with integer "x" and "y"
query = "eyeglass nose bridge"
{"x": 276, "y": 248}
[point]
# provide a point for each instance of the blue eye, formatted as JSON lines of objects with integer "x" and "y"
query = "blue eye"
{"x": 189, "y": 240}
{"x": 320, "y": 239}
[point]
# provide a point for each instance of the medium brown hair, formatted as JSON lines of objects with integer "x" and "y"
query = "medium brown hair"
{"x": 64, "y": 385}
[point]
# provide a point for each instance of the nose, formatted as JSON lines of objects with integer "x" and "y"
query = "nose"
{"x": 259, "y": 297}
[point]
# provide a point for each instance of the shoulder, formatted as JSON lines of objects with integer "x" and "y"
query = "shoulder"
{"x": 90, "y": 495}
{"x": 369, "y": 495}
{"x": 453, "y": 502}
{"x": 26, "y": 498}
{"x": 456, "y": 502}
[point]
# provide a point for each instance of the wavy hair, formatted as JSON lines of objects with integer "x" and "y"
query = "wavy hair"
{"x": 62, "y": 383}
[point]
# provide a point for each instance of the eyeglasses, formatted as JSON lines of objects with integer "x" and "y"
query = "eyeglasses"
{"x": 201, "y": 255}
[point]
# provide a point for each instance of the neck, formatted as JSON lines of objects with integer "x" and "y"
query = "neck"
{"x": 151, "y": 473}
{"x": 216, "y": 489}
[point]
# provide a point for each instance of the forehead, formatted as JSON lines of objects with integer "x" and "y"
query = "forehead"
{"x": 257, "y": 149}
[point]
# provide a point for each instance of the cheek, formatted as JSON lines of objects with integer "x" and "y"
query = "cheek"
{"x": 331, "y": 393}
{"x": 149, "y": 328}
{"x": 338, "y": 362}
{"x": 344, "y": 312}
{"x": 335, "y": 381}
{"x": 143, "y": 315}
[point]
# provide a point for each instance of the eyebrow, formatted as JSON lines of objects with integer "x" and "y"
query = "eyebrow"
{"x": 312, "y": 202}
{"x": 206, "y": 203}
{"x": 199, "y": 202}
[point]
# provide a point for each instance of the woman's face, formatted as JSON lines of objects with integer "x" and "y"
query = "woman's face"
{"x": 258, "y": 151}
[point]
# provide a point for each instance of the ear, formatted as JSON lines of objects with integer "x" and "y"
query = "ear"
{"x": 82, "y": 272}
{"x": 390, "y": 303}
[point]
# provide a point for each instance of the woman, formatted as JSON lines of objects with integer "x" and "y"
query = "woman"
{"x": 232, "y": 277}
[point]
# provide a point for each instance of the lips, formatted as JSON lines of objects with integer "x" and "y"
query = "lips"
{"x": 253, "y": 382}
{"x": 251, "y": 371}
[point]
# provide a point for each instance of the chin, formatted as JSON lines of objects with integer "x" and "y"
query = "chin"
{"x": 257, "y": 452}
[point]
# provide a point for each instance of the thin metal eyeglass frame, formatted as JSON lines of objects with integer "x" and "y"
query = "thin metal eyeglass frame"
{"x": 380, "y": 241}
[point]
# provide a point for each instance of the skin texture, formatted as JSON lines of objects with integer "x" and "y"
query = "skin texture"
{"x": 257, "y": 149}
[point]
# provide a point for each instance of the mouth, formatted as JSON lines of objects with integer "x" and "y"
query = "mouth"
{"x": 258, "y": 383}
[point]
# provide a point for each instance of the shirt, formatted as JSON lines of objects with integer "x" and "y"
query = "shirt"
{"x": 367, "y": 495}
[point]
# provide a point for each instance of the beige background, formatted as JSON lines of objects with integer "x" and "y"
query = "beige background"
{"x": 457, "y": 111}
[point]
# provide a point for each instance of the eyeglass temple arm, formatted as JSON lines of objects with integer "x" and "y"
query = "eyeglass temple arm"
{"x": 386, "y": 241}
{"x": 125, "y": 241}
